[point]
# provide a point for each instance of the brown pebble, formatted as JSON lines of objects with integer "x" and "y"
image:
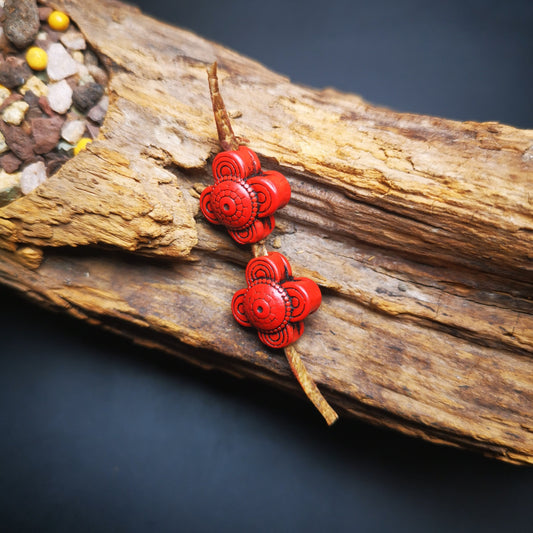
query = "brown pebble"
{"x": 54, "y": 161}
{"x": 31, "y": 98}
{"x": 97, "y": 114}
{"x": 99, "y": 75}
{"x": 14, "y": 71}
{"x": 90, "y": 58}
{"x": 46, "y": 133}
{"x": 54, "y": 36}
{"x": 92, "y": 130}
{"x": 43, "y": 43}
{"x": 34, "y": 111}
{"x": 44, "y": 13}
{"x": 45, "y": 106}
{"x": 21, "y": 23}
{"x": 18, "y": 141}
{"x": 10, "y": 162}
{"x": 72, "y": 81}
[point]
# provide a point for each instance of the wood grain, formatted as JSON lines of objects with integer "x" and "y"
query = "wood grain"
{"x": 419, "y": 231}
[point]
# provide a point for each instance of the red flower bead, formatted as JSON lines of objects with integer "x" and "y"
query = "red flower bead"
{"x": 243, "y": 198}
{"x": 274, "y": 302}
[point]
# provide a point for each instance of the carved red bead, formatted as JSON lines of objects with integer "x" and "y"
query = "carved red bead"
{"x": 244, "y": 198}
{"x": 275, "y": 303}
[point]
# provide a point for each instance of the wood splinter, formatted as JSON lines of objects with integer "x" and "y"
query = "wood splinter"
{"x": 229, "y": 141}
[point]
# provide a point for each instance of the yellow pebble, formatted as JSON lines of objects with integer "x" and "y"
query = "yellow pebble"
{"x": 37, "y": 58}
{"x": 58, "y": 21}
{"x": 82, "y": 144}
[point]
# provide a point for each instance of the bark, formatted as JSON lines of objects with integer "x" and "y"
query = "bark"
{"x": 419, "y": 231}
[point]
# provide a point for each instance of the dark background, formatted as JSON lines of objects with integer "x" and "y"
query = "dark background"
{"x": 99, "y": 435}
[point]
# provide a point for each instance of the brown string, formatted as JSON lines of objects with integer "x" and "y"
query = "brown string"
{"x": 229, "y": 141}
{"x": 309, "y": 386}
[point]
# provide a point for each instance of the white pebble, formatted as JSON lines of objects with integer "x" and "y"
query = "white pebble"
{"x": 60, "y": 63}
{"x": 8, "y": 181}
{"x": 60, "y": 96}
{"x": 84, "y": 75}
{"x": 32, "y": 176}
{"x": 14, "y": 113}
{"x": 73, "y": 40}
{"x": 4, "y": 93}
{"x": 9, "y": 187}
{"x": 3, "y": 146}
{"x": 78, "y": 56}
{"x": 73, "y": 131}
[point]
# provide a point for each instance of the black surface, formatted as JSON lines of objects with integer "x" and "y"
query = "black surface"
{"x": 99, "y": 435}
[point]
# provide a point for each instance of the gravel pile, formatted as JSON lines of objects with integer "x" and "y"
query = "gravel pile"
{"x": 52, "y": 95}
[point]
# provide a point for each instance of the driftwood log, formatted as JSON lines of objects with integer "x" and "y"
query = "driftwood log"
{"x": 419, "y": 231}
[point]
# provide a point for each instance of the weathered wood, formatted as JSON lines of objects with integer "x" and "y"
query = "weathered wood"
{"x": 418, "y": 229}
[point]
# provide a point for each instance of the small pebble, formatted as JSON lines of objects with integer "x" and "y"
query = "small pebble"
{"x": 54, "y": 161}
{"x": 73, "y": 40}
{"x": 60, "y": 63}
{"x": 32, "y": 99}
{"x": 18, "y": 140}
{"x": 87, "y": 96}
{"x": 93, "y": 130}
{"x": 82, "y": 144}
{"x": 51, "y": 35}
{"x": 10, "y": 162}
{"x": 44, "y": 13}
{"x": 91, "y": 59}
{"x": 34, "y": 111}
{"x": 3, "y": 145}
{"x": 43, "y": 40}
{"x": 60, "y": 97}
{"x": 9, "y": 187}
{"x": 99, "y": 75}
{"x": 36, "y": 58}
{"x": 21, "y": 23}
{"x": 44, "y": 104}
{"x": 14, "y": 72}
{"x": 97, "y": 114}
{"x": 73, "y": 131}
{"x": 84, "y": 78}
{"x": 32, "y": 176}
{"x": 46, "y": 133}
{"x": 14, "y": 114}
{"x": 36, "y": 86}
{"x": 4, "y": 93}
{"x": 78, "y": 56}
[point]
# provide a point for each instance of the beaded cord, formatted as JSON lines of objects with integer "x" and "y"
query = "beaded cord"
{"x": 244, "y": 199}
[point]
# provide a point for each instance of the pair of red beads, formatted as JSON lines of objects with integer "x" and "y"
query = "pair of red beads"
{"x": 244, "y": 200}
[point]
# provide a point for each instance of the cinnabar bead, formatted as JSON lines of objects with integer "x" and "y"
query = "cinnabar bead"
{"x": 274, "y": 302}
{"x": 243, "y": 198}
